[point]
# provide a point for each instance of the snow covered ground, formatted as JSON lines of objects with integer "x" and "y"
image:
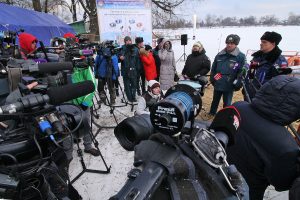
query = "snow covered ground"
{"x": 102, "y": 186}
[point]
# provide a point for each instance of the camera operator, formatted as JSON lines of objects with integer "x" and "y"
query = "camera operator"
{"x": 60, "y": 44}
{"x": 147, "y": 100}
{"x": 28, "y": 48}
{"x": 197, "y": 63}
{"x": 107, "y": 72}
{"x": 264, "y": 151}
{"x": 85, "y": 102}
{"x": 130, "y": 59}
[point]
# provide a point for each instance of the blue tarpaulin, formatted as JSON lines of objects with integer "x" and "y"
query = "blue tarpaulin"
{"x": 42, "y": 25}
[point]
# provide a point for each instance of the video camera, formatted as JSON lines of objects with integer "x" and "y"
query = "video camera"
{"x": 46, "y": 74}
{"x": 108, "y": 48}
{"x": 8, "y": 37}
{"x": 32, "y": 158}
{"x": 174, "y": 139}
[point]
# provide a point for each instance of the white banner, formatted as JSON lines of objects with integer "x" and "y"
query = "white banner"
{"x": 120, "y": 18}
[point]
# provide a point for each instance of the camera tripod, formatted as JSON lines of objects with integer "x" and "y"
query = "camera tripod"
{"x": 80, "y": 154}
{"x": 104, "y": 84}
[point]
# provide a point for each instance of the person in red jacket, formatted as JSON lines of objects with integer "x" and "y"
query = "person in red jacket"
{"x": 148, "y": 62}
{"x": 27, "y": 45}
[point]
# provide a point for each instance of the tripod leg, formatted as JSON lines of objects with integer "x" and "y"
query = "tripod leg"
{"x": 80, "y": 154}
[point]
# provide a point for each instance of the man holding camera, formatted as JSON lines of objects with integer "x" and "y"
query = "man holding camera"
{"x": 107, "y": 72}
{"x": 129, "y": 57}
{"x": 227, "y": 66}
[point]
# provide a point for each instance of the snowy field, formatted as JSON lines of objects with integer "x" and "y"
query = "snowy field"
{"x": 102, "y": 186}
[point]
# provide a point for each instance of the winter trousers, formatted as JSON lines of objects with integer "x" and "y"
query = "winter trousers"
{"x": 141, "y": 87}
{"x": 227, "y": 98}
{"x": 130, "y": 86}
{"x": 111, "y": 89}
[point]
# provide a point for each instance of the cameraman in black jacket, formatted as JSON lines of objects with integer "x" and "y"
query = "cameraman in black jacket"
{"x": 265, "y": 152}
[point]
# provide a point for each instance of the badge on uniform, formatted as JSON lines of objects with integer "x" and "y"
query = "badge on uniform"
{"x": 218, "y": 76}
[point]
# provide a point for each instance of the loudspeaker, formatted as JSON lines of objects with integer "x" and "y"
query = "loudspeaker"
{"x": 183, "y": 39}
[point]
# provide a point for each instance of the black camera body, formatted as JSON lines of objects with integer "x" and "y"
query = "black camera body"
{"x": 32, "y": 147}
{"x": 108, "y": 49}
{"x": 180, "y": 153}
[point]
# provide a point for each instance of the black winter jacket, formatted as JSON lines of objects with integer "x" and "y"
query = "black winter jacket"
{"x": 264, "y": 151}
{"x": 196, "y": 63}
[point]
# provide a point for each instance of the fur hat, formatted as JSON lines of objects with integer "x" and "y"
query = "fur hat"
{"x": 271, "y": 37}
{"x": 127, "y": 38}
{"x": 139, "y": 40}
{"x": 233, "y": 38}
{"x": 198, "y": 44}
{"x": 153, "y": 84}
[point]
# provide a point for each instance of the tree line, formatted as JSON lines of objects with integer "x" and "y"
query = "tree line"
{"x": 219, "y": 21}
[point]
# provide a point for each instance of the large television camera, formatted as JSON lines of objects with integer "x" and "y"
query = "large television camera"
{"x": 177, "y": 156}
{"x": 108, "y": 48}
{"x": 32, "y": 157}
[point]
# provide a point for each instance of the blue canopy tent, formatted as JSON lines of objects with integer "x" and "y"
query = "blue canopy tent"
{"x": 42, "y": 25}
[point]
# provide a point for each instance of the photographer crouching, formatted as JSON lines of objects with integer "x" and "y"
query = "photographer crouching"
{"x": 147, "y": 100}
{"x": 107, "y": 71}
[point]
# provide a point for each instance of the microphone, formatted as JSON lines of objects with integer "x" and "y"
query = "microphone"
{"x": 227, "y": 121}
{"x": 54, "y": 67}
{"x": 58, "y": 95}
{"x": 84, "y": 52}
{"x": 54, "y": 96}
{"x": 31, "y": 66}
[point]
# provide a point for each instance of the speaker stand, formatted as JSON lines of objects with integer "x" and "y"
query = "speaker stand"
{"x": 183, "y": 55}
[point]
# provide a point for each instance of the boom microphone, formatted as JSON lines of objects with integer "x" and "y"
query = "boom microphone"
{"x": 58, "y": 95}
{"x": 55, "y": 96}
{"x": 54, "y": 66}
{"x": 84, "y": 52}
{"x": 31, "y": 66}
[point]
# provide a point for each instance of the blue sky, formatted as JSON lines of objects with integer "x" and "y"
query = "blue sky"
{"x": 239, "y": 8}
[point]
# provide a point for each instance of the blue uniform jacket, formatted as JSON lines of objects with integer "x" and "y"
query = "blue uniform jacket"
{"x": 229, "y": 66}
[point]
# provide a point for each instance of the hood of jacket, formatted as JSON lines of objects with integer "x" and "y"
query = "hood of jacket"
{"x": 25, "y": 40}
{"x": 164, "y": 41}
{"x": 279, "y": 100}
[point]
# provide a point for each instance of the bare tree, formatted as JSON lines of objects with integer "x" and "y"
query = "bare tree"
{"x": 37, "y": 5}
{"x": 91, "y": 11}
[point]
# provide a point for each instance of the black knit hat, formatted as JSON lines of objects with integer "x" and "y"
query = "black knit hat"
{"x": 233, "y": 38}
{"x": 271, "y": 37}
{"x": 148, "y": 47}
{"x": 127, "y": 38}
{"x": 139, "y": 40}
